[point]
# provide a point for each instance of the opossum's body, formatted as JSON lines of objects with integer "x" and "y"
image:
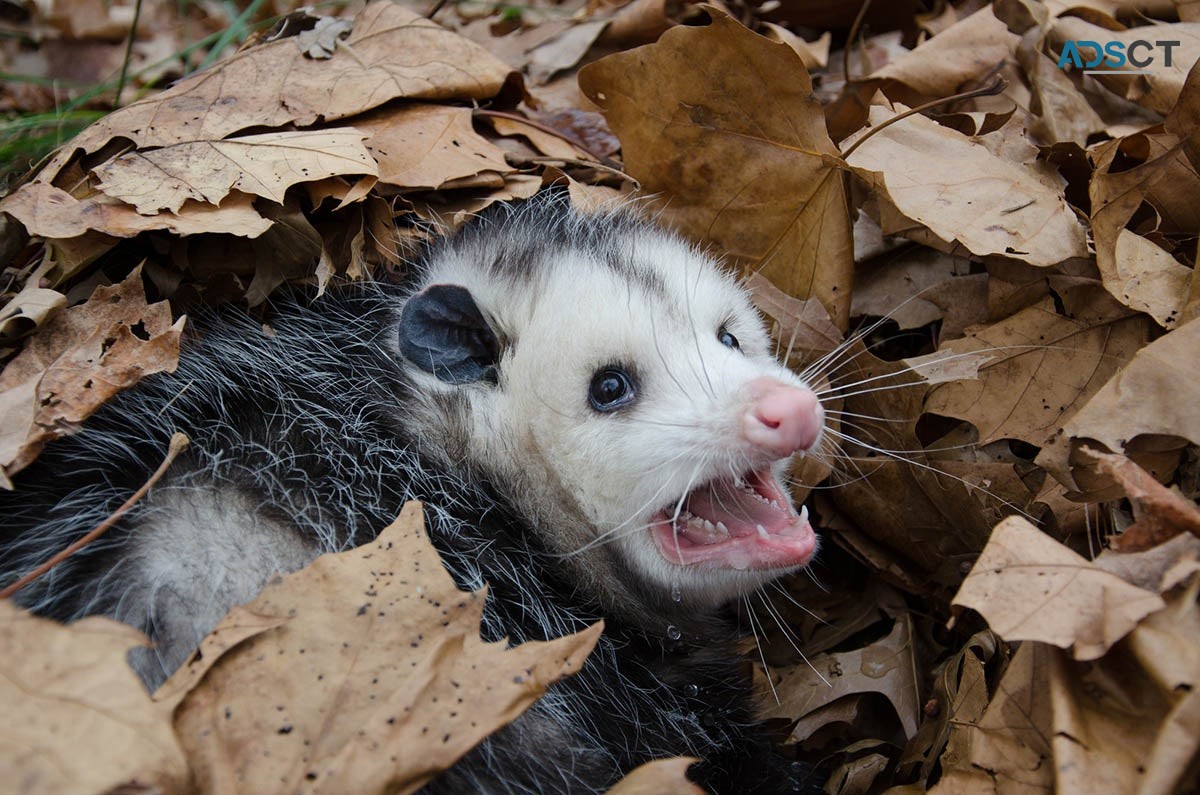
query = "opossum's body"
{"x": 552, "y": 391}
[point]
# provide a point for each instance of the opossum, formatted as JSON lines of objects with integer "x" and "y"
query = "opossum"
{"x": 588, "y": 408}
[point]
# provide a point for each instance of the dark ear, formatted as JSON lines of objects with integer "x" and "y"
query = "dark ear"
{"x": 443, "y": 332}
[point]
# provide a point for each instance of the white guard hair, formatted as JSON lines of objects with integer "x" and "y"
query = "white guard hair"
{"x": 592, "y": 293}
{"x": 308, "y": 441}
{"x": 311, "y": 440}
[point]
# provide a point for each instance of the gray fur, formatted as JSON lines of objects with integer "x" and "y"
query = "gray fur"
{"x": 310, "y": 439}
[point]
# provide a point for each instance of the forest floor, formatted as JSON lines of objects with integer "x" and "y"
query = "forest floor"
{"x": 978, "y": 238}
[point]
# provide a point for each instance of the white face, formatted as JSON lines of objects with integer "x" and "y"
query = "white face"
{"x": 638, "y": 408}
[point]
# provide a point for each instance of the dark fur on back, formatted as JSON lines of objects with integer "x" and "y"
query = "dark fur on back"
{"x": 304, "y": 424}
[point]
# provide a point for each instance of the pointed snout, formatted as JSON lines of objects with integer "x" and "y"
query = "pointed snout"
{"x": 781, "y": 419}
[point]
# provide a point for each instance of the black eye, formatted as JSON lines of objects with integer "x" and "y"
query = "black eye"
{"x": 611, "y": 389}
{"x": 727, "y": 339}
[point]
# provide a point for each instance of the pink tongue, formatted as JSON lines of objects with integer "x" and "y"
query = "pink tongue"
{"x": 739, "y": 509}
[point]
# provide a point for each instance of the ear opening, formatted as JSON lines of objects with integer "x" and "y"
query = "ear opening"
{"x": 443, "y": 332}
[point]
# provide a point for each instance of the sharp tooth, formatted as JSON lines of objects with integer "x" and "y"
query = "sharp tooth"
{"x": 709, "y": 526}
{"x": 804, "y": 513}
{"x": 762, "y": 531}
{"x": 774, "y": 504}
{"x": 721, "y": 526}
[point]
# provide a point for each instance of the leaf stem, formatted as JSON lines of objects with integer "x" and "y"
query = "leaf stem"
{"x": 179, "y": 442}
{"x": 851, "y": 36}
{"x": 991, "y": 89}
{"x": 572, "y": 140}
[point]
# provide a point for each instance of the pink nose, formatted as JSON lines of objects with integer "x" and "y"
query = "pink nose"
{"x": 781, "y": 419}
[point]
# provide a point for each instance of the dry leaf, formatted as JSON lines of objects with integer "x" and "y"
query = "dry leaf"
{"x": 1065, "y": 517}
{"x": 963, "y": 193}
{"x": 960, "y": 693}
{"x": 1155, "y": 744}
{"x": 1030, "y": 587}
{"x": 392, "y": 53}
{"x": 923, "y": 525}
{"x": 737, "y": 145}
{"x": 31, "y": 307}
{"x": 1116, "y": 8}
{"x": 386, "y": 242}
{"x": 263, "y": 165}
{"x": 1042, "y": 366}
{"x": 322, "y": 39}
{"x": 965, "y": 51}
{"x": 1148, "y": 396}
{"x": 288, "y": 250}
{"x": 77, "y": 361}
{"x": 859, "y": 776}
{"x": 343, "y": 192}
{"x": 1147, "y": 278}
{"x": 563, "y": 50}
{"x": 376, "y": 681}
{"x": 548, "y": 144}
{"x": 886, "y": 667}
{"x": 514, "y": 45}
{"x": 915, "y": 287}
{"x": 427, "y": 146}
{"x": 938, "y": 368}
{"x": 1157, "y": 90}
{"x": 803, "y": 328}
{"x": 50, "y": 212}
{"x": 1159, "y": 513}
{"x": 1158, "y": 569}
{"x": 1125, "y": 723}
{"x": 814, "y": 54}
{"x": 724, "y": 126}
{"x": 71, "y": 256}
{"x": 1135, "y": 270}
{"x": 1061, "y": 111}
{"x": 450, "y": 212}
{"x": 1007, "y": 750}
{"x": 643, "y": 21}
{"x": 238, "y": 626}
{"x": 78, "y": 719}
{"x": 661, "y": 777}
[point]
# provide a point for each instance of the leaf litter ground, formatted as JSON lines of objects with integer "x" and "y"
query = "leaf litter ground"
{"x": 995, "y": 294}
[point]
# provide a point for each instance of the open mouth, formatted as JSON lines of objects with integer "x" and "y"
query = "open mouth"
{"x": 742, "y": 523}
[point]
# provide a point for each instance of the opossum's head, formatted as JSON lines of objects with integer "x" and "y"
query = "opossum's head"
{"x": 622, "y": 389}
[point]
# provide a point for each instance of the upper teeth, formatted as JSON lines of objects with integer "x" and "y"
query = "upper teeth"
{"x": 706, "y": 526}
{"x": 754, "y": 493}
